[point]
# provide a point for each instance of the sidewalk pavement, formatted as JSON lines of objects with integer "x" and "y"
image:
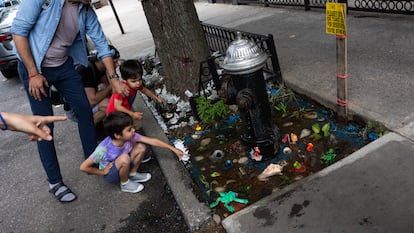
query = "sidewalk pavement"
{"x": 369, "y": 191}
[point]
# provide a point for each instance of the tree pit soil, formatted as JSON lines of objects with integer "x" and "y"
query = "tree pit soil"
{"x": 211, "y": 176}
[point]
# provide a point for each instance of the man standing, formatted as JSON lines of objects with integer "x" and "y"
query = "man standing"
{"x": 50, "y": 36}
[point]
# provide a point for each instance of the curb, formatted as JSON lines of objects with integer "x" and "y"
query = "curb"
{"x": 196, "y": 214}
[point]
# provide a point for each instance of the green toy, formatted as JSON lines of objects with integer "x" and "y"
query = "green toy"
{"x": 226, "y": 198}
{"x": 299, "y": 167}
{"x": 328, "y": 157}
{"x": 215, "y": 174}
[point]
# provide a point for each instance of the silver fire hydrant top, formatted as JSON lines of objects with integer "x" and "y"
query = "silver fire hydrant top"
{"x": 243, "y": 57}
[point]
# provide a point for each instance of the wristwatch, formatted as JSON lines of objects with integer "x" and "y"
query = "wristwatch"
{"x": 115, "y": 75}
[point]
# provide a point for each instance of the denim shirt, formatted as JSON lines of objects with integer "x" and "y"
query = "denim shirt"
{"x": 39, "y": 19}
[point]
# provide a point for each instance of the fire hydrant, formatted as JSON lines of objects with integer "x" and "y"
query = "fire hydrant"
{"x": 245, "y": 86}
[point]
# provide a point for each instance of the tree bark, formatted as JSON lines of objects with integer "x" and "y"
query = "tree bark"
{"x": 180, "y": 42}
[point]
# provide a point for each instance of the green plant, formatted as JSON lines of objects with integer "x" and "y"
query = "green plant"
{"x": 298, "y": 113}
{"x": 316, "y": 128}
{"x": 282, "y": 107}
{"x": 208, "y": 111}
{"x": 372, "y": 128}
{"x": 376, "y": 127}
{"x": 285, "y": 180}
{"x": 325, "y": 129}
{"x": 208, "y": 186}
{"x": 282, "y": 94}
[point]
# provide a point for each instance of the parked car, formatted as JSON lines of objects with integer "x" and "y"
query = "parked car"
{"x": 7, "y": 3}
{"x": 8, "y": 59}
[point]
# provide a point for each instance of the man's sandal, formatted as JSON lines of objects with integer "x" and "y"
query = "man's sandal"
{"x": 60, "y": 191}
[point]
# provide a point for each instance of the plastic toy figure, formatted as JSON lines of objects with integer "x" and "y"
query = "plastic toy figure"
{"x": 299, "y": 167}
{"x": 226, "y": 198}
{"x": 328, "y": 157}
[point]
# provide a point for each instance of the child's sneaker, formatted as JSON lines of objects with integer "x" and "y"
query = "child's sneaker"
{"x": 140, "y": 177}
{"x": 132, "y": 187}
{"x": 146, "y": 158}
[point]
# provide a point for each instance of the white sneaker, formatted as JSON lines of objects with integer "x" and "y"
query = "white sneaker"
{"x": 146, "y": 158}
{"x": 132, "y": 187}
{"x": 140, "y": 177}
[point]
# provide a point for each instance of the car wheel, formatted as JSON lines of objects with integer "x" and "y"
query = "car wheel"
{"x": 7, "y": 73}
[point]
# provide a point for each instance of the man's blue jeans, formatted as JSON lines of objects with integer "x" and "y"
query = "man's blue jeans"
{"x": 68, "y": 82}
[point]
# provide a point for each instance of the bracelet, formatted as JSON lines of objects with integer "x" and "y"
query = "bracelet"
{"x": 33, "y": 76}
{"x": 4, "y": 122}
{"x": 113, "y": 76}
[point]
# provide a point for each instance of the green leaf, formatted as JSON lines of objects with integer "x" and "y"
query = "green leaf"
{"x": 316, "y": 128}
{"x": 325, "y": 129}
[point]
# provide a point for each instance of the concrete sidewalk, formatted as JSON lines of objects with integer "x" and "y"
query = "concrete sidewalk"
{"x": 368, "y": 191}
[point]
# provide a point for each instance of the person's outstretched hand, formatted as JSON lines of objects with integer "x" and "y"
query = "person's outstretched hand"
{"x": 119, "y": 87}
{"x": 35, "y": 126}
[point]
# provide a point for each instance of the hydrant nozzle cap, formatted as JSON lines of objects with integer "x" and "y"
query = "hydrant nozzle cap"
{"x": 243, "y": 56}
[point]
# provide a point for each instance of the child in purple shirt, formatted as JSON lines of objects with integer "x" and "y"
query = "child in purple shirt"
{"x": 119, "y": 155}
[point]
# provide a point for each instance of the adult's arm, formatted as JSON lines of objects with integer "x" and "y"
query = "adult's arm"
{"x": 36, "y": 80}
{"x": 35, "y": 126}
{"x": 95, "y": 32}
{"x": 119, "y": 87}
{"x": 95, "y": 97}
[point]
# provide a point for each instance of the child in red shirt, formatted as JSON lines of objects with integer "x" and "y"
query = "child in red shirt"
{"x": 131, "y": 72}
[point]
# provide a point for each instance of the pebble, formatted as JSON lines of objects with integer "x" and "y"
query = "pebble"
{"x": 275, "y": 190}
{"x": 310, "y": 115}
{"x": 217, "y": 155}
{"x": 242, "y": 171}
{"x": 287, "y": 124}
{"x": 243, "y": 160}
{"x": 216, "y": 218}
{"x": 233, "y": 108}
{"x": 298, "y": 178}
{"x": 287, "y": 150}
{"x": 205, "y": 142}
{"x": 304, "y": 133}
{"x": 219, "y": 189}
{"x": 198, "y": 158}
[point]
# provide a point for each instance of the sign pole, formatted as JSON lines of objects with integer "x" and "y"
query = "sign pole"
{"x": 116, "y": 17}
{"x": 336, "y": 24}
{"x": 342, "y": 76}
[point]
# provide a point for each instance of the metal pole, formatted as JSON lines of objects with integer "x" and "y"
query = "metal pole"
{"x": 342, "y": 73}
{"x": 116, "y": 16}
{"x": 275, "y": 60}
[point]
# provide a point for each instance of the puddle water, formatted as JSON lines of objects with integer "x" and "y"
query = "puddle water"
{"x": 220, "y": 163}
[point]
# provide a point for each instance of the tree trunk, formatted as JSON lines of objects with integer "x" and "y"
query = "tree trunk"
{"x": 180, "y": 42}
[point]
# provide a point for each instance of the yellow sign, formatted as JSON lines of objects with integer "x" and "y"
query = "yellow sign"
{"x": 335, "y": 19}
